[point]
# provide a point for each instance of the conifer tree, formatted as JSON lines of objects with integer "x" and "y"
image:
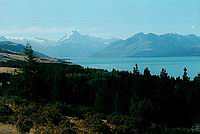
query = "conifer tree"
{"x": 30, "y": 70}
{"x": 31, "y": 60}
{"x": 163, "y": 73}
{"x": 147, "y": 73}
{"x": 136, "y": 70}
{"x": 185, "y": 74}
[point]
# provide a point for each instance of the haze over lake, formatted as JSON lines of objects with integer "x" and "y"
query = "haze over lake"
{"x": 173, "y": 65}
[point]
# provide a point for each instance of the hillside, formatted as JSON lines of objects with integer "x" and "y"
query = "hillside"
{"x": 151, "y": 45}
{"x": 70, "y": 99}
{"x": 75, "y": 44}
{"x": 38, "y": 44}
{"x": 14, "y": 52}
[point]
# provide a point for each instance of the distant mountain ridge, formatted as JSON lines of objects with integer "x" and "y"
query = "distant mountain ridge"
{"x": 15, "y": 48}
{"x": 75, "y": 44}
{"x": 38, "y": 44}
{"x": 11, "y": 47}
{"x": 14, "y": 52}
{"x": 151, "y": 45}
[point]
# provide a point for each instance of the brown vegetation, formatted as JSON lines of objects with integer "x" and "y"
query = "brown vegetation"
{"x": 10, "y": 70}
{"x": 8, "y": 129}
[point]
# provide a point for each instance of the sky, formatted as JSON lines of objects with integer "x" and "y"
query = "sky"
{"x": 53, "y": 19}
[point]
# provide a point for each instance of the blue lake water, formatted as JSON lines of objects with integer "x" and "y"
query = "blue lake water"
{"x": 173, "y": 65}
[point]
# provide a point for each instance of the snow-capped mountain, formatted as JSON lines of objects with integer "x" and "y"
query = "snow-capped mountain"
{"x": 150, "y": 45}
{"x": 73, "y": 44}
{"x": 76, "y": 44}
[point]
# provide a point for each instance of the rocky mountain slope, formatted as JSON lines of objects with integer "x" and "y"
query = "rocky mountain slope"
{"x": 151, "y": 45}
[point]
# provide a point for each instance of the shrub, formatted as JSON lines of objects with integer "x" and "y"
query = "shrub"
{"x": 196, "y": 128}
{"x": 124, "y": 124}
{"x": 5, "y": 112}
{"x": 82, "y": 111}
{"x": 49, "y": 113}
{"x": 24, "y": 124}
{"x": 96, "y": 123}
{"x": 64, "y": 127}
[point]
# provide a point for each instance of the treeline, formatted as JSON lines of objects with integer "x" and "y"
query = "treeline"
{"x": 132, "y": 100}
{"x": 12, "y": 63}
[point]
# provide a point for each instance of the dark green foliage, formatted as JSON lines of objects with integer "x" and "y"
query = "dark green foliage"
{"x": 136, "y": 70}
{"x": 147, "y": 72}
{"x": 4, "y": 82}
{"x": 30, "y": 73}
{"x": 5, "y": 113}
{"x": 163, "y": 73}
{"x": 146, "y": 98}
{"x": 12, "y": 63}
{"x": 51, "y": 113}
{"x": 130, "y": 100}
{"x": 81, "y": 111}
{"x": 96, "y": 123}
{"x": 185, "y": 75}
{"x": 124, "y": 124}
{"x": 162, "y": 130}
{"x": 24, "y": 124}
{"x": 5, "y": 110}
{"x": 66, "y": 127}
{"x": 30, "y": 58}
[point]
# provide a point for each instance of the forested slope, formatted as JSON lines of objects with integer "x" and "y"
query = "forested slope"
{"x": 60, "y": 96}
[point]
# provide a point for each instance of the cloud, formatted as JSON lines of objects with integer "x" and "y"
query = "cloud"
{"x": 53, "y": 32}
{"x": 97, "y": 32}
{"x": 34, "y": 30}
{"x": 50, "y": 33}
{"x": 193, "y": 27}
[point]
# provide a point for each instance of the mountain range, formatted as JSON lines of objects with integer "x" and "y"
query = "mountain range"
{"x": 152, "y": 45}
{"x": 76, "y": 44}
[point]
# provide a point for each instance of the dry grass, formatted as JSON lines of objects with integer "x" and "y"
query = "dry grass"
{"x": 9, "y": 70}
{"x": 19, "y": 57}
{"x": 12, "y": 56}
{"x": 8, "y": 129}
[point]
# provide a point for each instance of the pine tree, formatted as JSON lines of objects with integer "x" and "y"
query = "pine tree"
{"x": 185, "y": 75}
{"x": 163, "y": 73}
{"x": 136, "y": 70}
{"x": 31, "y": 60}
{"x": 30, "y": 70}
{"x": 147, "y": 73}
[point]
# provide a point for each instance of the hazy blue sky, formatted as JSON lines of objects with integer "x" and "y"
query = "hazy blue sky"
{"x": 105, "y": 18}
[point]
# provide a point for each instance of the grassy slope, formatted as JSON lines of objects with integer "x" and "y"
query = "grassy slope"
{"x": 7, "y": 56}
{"x": 8, "y": 70}
{"x": 8, "y": 129}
